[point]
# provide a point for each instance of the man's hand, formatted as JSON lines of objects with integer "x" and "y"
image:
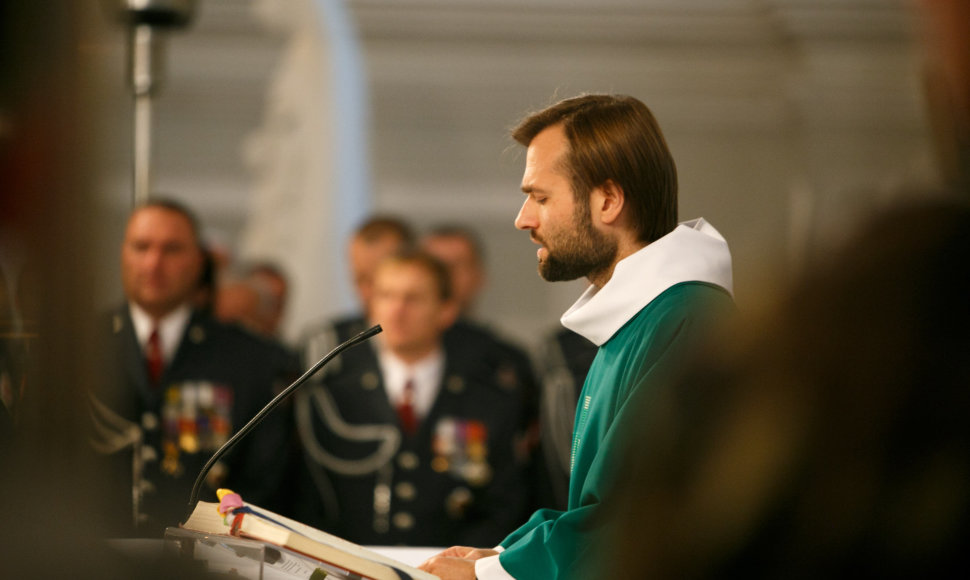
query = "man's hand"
{"x": 455, "y": 563}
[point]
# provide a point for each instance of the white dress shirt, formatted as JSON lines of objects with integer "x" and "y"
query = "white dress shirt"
{"x": 427, "y": 374}
{"x": 171, "y": 328}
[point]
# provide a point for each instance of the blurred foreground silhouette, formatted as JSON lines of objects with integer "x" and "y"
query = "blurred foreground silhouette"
{"x": 829, "y": 437}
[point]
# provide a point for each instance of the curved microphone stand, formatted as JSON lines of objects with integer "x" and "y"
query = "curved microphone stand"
{"x": 194, "y": 498}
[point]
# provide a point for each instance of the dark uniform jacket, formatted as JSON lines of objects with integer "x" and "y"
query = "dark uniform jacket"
{"x": 459, "y": 480}
{"x": 158, "y": 438}
{"x": 565, "y": 358}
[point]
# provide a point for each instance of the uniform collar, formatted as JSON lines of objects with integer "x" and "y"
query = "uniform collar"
{"x": 427, "y": 375}
{"x": 171, "y": 327}
{"x": 693, "y": 252}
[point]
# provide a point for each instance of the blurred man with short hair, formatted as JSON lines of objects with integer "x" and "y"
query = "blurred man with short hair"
{"x": 462, "y": 251}
{"x": 375, "y": 239}
{"x": 180, "y": 383}
{"x": 411, "y": 441}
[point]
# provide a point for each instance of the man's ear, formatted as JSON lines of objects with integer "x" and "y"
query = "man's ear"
{"x": 607, "y": 201}
{"x": 448, "y": 314}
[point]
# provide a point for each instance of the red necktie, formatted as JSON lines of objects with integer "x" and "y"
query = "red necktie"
{"x": 405, "y": 409}
{"x": 153, "y": 357}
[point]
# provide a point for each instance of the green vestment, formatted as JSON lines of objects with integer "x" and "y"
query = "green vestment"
{"x": 630, "y": 367}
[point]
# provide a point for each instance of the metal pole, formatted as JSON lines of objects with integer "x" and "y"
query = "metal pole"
{"x": 145, "y": 53}
{"x": 148, "y": 22}
{"x": 142, "y": 149}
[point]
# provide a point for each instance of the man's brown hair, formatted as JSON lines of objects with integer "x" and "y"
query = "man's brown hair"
{"x": 174, "y": 206}
{"x": 614, "y": 138}
{"x": 430, "y": 264}
{"x": 381, "y": 226}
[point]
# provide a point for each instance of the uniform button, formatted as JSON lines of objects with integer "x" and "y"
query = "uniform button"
{"x": 217, "y": 474}
{"x": 458, "y": 502}
{"x": 507, "y": 378}
{"x": 196, "y": 334}
{"x": 406, "y": 490}
{"x": 456, "y": 385}
{"x": 369, "y": 381}
{"x": 407, "y": 460}
{"x": 146, "y": 487}
{"x": 149, "y": 421}
{"x": 403, "y": 521}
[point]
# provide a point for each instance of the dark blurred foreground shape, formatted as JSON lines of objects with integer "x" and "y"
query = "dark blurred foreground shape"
{"x": 946, "y": 36}
{"x": 830, "y": 437}
{"x": 53, "y": 511}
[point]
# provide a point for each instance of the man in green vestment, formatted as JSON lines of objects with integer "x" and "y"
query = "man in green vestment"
{"x": 601, "y": 201}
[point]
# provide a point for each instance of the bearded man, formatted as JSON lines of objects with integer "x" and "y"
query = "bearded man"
{"x": 601, "y": 200}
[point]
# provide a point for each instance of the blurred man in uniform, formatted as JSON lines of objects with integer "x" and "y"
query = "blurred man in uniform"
{"x": 375, "y": 239}
{"x": 182, "y": 383}
{"x": 562, "y": 364}
{"x": 460, "y": 249}
{"x": 411, "y": 441}
{"x": 254, "y": 297}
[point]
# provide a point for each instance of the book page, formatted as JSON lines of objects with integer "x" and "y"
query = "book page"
{"x": 337, "y": 542}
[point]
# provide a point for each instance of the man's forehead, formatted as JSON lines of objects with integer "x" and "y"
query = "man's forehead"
{"x": 403, "y": 273}
{"x": 450, "y": 243}
{"x": 379, "y": 246}
{"x": 545, "y": 155}
{"x": 550, "y": 141}
{"x": 158, "y": 213}
{"x": 154, "y": 222}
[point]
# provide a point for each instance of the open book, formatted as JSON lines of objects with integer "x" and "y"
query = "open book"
{"x": 257, "y": 523}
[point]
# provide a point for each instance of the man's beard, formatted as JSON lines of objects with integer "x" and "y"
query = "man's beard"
{"x": 580, "y": 251}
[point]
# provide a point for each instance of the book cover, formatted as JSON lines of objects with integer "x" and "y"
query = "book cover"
{"x": 250, "y": 521}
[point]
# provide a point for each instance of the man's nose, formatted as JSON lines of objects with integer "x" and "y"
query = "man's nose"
{"x": 153, "y": 259}
{"x": 397, "y": 306}
{"x": 526, "y": 219}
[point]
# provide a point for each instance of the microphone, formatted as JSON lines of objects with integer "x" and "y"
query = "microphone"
{"x": 194, "y": 497}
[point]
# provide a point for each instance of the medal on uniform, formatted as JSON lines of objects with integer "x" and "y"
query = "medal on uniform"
{"x": 458, "y": 502}
{"x": 170, "y": 459}
{"x": 195, "y": 418}
{"x": 444, "y": 444}
{"x": 476, "y": 469}
{"x": 460, "y": 447}
{"x": 170, "y": 428}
